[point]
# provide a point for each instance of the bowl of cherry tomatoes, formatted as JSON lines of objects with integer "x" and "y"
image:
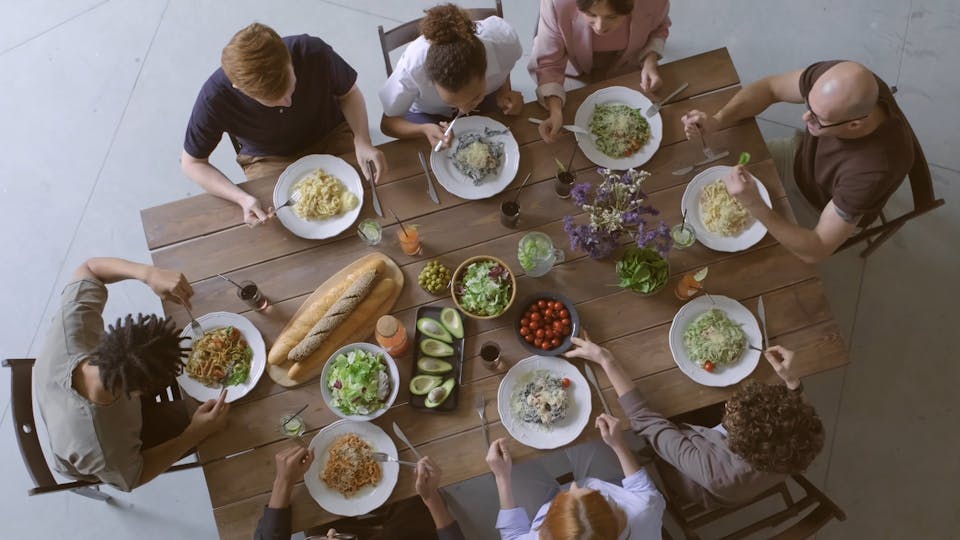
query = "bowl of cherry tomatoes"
{"x": 546, "y": 324}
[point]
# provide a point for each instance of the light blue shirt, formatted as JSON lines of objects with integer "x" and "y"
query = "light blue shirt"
{"x": 638, "y": 498}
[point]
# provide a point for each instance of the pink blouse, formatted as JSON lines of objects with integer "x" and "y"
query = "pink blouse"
{"x": 565, "y": 43}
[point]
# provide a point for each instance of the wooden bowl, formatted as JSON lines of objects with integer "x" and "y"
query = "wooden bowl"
{"x": 458, "y": 273}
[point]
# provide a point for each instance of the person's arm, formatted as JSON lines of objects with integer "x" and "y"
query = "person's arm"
{"x": 548, "y": 66}
{"x": 809, "y": 245}
{"x": 509, "y": 101}
{"x": 612, "y": 435}
{"x": 428, "y": 487}
{"x": 781, "y": 359}
{"x": 292, "y": 464}
{"x": 167, "y": 284}
{"x": 589, "y": 350}
{"x": 208, "y": 418}
{"x": 512, "y": 520}
{"x": 216, "y": 183}
{"x": 652, "y": 52}
{"x": 354, "y": 109}
{"x": 750, "y": 101}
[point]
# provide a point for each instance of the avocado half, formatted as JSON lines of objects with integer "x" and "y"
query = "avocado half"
{"x": 423, "y": 384}
{"x": 439, "y": 394}
{"x": 436, "y": 348}
{"x": 434, "y": 329}
{"x": 450, "y": 319}
{"x": 433, "y": 366}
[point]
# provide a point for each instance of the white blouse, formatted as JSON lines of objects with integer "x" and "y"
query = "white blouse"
{"x": 410, "y": 88}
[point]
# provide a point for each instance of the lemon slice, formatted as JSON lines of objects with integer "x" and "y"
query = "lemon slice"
{"x": 701, "y": 275}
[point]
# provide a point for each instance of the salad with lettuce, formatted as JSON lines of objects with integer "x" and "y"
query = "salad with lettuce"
{"x": 484, "y": 289}
{"x": 359, "y": 382}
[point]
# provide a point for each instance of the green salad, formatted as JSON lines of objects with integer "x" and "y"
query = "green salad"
{"x": 643, "y": 271}
{"x": 714, "y": 340}
{"x": 484, "y": 288}
{"x": 621, "y": 130}
{"x": 359, "y": 382}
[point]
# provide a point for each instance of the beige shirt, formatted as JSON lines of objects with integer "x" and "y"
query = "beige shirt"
{"x": 89, "y": 441}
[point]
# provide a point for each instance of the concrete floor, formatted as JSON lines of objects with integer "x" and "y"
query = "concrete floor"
{"x": 98, "y": 92}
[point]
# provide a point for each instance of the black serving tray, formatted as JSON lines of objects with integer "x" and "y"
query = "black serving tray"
{"x": 417, "y": 402}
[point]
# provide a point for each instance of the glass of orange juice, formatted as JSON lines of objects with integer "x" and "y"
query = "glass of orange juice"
{"x": 691, "y": 284}
{"x": 409, "y": 236}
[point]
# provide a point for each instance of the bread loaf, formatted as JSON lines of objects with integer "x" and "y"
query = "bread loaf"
{"x": 313, "y": 310}
{"x": 362, "y": 315}
{"x": 337, "y": 313}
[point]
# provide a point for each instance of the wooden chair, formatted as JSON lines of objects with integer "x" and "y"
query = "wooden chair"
{"x": 693, "y": 517}
{"x": 407, "y": 32}
{"x": 21, "y": 398}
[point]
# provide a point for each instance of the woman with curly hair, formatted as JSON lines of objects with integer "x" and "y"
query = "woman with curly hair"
{"x": 455, "y": 65}
{"x": 95, "y": 388}
{"x": 768, "y": 432}
{"x": 594, "y": 40}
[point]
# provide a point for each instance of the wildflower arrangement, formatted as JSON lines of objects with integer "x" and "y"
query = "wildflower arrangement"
{"x": 616, "y": 209}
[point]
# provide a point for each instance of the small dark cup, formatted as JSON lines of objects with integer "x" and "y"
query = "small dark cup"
{"x": 563, "y": 184}
{"x": 509, "y": 213}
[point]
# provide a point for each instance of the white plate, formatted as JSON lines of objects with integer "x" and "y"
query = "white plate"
{"x": 367, "y": 498}
{"x": 220, "y": 319}
{"x": 722, "y": 376}
{"x": 324, "y": 228}
{"x": 535, "y": 435}
{"x": 691, "y": 202}
{"x": 391, "y": 369}
{"x": 611, "y": 96}
{"x": 455, "y": 182}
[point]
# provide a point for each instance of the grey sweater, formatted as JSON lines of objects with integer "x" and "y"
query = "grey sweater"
{"x": 705, "y": 470}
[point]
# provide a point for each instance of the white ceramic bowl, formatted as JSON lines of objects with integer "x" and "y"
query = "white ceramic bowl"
{"x": 391, "y": 368}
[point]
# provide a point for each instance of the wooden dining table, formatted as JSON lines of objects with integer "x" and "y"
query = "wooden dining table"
{"x": 203, "y": 235}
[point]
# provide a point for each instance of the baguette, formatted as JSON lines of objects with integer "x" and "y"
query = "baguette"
{"x": 312, "y": 310}
{"x": 337, "y": 313}
{"x": 362, "y": 315}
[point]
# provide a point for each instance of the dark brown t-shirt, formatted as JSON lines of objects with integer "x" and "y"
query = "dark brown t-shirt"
{"x": 859, "y": 175}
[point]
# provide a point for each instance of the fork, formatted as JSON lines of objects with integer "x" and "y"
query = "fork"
{"x": 194, "y": 325}
{"x": 384, "y": 457}
{"x": 294, "y": 199}
{"x": 482, "y": 411}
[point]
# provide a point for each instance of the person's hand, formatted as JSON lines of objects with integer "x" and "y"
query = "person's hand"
{"x": 510, "y": 102}
{"x": 650, "y": 79}
{"x": 367, "y": 153}
{"x": 696, "y": 123}
{"x": 588, "y": 350}
{"x": 550, "y": 128}
{"x": 610, "y": 431}
{"x": 434, "y": 134}
{"x": 781, "y": 359}
{"x": 428, "y": 479}
{"x": 169, "y": 285}
{"x": 253, "y": 213}
{"x": 292, "y": 464}
{"x": 211, "y": 415}
{"x": 498, "y": 458}
{"x": 743, "y": 188}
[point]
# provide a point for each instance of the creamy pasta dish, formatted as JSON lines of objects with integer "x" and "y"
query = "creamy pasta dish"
{"x": 323, "y": 196}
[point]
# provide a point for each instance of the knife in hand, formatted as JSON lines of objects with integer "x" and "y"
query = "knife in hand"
{"x": 430, "y": 189}
{"x": 373, "y": 190}
{"x": 592, "y": 377}
{"x": 399, "y": 433}
{"x": 763, "y": 321}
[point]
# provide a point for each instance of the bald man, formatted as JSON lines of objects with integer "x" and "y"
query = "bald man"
{"x": 856, "y": 150}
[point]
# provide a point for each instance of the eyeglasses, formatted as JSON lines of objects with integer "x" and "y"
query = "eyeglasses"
{"x": 835, "y": 124}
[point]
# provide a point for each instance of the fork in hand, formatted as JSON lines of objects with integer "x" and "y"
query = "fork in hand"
{"x": 294, "y": 199}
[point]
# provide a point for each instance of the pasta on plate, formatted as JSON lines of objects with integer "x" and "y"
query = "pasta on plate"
{"x": 351, "y": 465}
{"x": 323, "y": 196}
{"x": 720, "y": 212}
{"x": 213, "y": 354}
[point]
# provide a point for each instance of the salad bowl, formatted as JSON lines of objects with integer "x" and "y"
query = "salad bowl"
{"x": 479, "y": 295}
{"x": 355, "y": 378}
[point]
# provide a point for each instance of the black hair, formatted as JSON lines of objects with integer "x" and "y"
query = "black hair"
{"x": 143, "y": 355}
{"x": 456, "y": 55}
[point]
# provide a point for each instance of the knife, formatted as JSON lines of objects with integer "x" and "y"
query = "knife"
{"x": 572, "y": 128}
{"x": 399, "y": 433}
{"x": 373, "y": 190}
{"x": 592, "y": 377}
{"x": 697, "y": 165}
{"x": 655, "y": 108}
{"x": 426, "y": 171}
{"x": 763, "y": 321}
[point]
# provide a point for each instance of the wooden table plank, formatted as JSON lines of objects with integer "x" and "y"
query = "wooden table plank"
{"x": 204, "y": 214}
{"x": 670, "y": 392}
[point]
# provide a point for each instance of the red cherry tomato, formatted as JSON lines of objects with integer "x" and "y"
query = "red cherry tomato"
{"x": 524, "y": 331}
{"x": 534, "y": 325}
{"x": 708, "y": 365}
{"x": 548, "y": 313}
{"x": 545, "y": 345}
{"x": 567, "y": 331}
{"x": 535, "y": 316}
{"x": 564, "y": 314}
{"x": 529, "y": 338}
{"x": 557, "y": 326}
{"x": 558, "y": 305}
{"x": 541, "y": 304}
{"x": 540, "y": 333}
{"x": 565, "y": 382}
{"x": 565, "y": 321}
{"x": 554, "y": 343}
{"x": 537, "y": 342}
{"x": 548, "y": 333}
{"x": 524, "y": 321}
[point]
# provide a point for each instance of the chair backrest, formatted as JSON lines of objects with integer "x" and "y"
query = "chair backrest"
{"x": 409, "y": 31}
{"x": 21, "y": 399}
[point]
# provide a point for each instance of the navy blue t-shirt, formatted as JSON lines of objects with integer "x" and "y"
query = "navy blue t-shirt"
{"x": 322, "y": 76}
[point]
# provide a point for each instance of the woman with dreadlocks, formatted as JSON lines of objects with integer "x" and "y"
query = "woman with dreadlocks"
{"x": 89, "y": 382}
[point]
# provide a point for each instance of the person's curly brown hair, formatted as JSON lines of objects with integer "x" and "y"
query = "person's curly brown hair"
{"x": 773, "y": 428}
{"x": 456, "y": 55}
